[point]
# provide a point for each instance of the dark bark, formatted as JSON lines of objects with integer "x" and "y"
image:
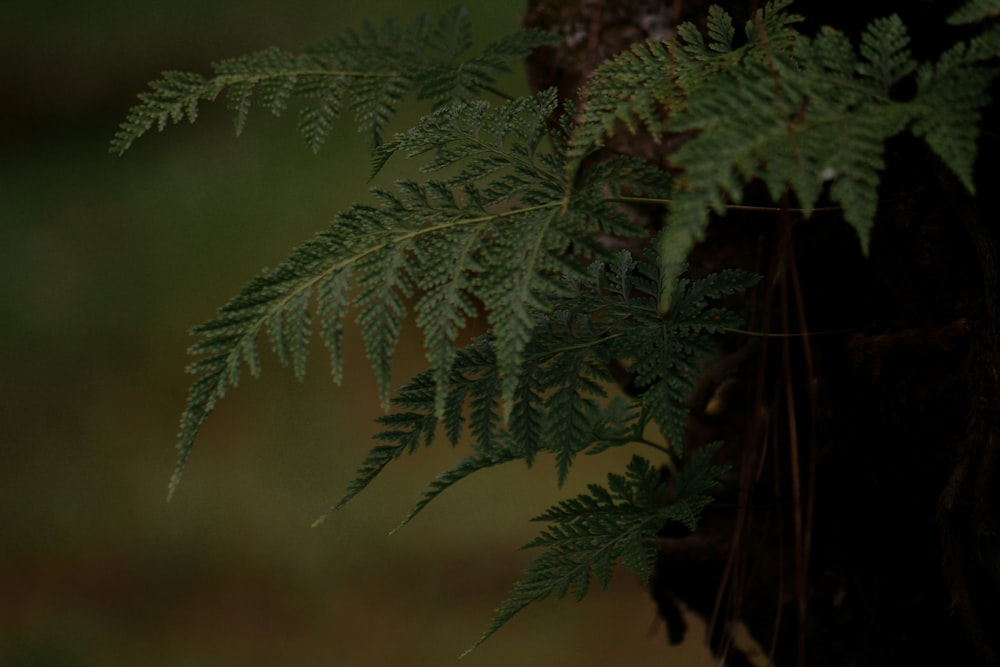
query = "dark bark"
{"x": 860, "y": 524}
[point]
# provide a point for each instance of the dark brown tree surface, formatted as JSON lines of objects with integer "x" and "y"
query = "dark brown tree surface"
{"x": 859, "y": 525}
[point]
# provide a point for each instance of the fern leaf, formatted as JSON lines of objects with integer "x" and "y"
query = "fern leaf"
{"x": 484, "y": 404}
{"x": 333, "y": 300}
{"x": 948, "y": 107}
{"x": 289, "y": 330}
{"x": 416, "y": 424}
{"x": 172, "y": 98}
{"x": 559, "y": 405}
{"x": 571, "y": 408}
{"x": 974, "y": 11}
{"x": 502, "y": 145}
{"x": 512, "y": 302}
{"x": 527, "y": 418}
{"x": 663, "y": 351}
{"x": 884, "y": 47}
{"x": 379, "y": 249}
{"x": 646, "y": 85}
{"x": 406, "y": 431}
{"x": 796, "y": 110}
{"x": 480, "y": 460}
{"x": 446, "y": 304}
{"x": 385, "y": 282}
{"x": 452, "y": 81}
{"x": 593, "y": 531}
{"x": 315, "y": 122}
{"x": 375, "y": 104}
{"x": 693, "y": 485}
{"x": 636, "y": 87}
{"x": 370, "y": 72}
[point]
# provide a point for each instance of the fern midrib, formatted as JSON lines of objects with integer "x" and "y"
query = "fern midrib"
{"x": 516, "y": 159}
{"x": 229, "y": 79}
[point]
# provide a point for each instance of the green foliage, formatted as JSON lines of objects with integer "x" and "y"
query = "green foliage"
{"x": 509, "y": 213}
{"x": 620, "y": 522}
{"x": 806, "y": 116}
{"x": 646, "y": 85}
{"x": 974, "y": 11}
{"x": 428, "y": 238}
{"x": 368, "y": 72}
{"x": 559, "y": 403}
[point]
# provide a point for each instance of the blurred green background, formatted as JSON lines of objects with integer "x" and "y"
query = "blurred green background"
{"x": 105, "y": 263}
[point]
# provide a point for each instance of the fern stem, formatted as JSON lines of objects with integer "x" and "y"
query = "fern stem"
{"x": 624, "y": 199}
{"x": 798, "y": 334}
{"x": 239, "y": 78}
{"x": 499, "y": 93}
{"x": 657, "y": 446}
{"x": 579, "y": 346}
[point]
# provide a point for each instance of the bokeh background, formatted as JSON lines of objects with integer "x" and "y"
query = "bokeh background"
{"x": 105, "y": 263}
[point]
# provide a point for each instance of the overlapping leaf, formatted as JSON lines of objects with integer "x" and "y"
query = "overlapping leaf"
{"x": 560, "y": 404}
{"x": 448, "y": 244}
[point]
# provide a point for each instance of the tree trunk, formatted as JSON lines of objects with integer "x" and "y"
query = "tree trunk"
{"x": 859, "y": 526}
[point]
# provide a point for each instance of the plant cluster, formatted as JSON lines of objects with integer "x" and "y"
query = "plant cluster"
{"x": 508, "y": 218}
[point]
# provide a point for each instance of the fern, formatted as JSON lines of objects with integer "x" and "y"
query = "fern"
{"x": 809, "y": 116}
{"x": 368, "y": 72}
{"x": 424, "y": 237}
{"x": 820, "y": 114}
{"x": 559, "y": 401}
{"x": 646, "y": 85}
{"x": 510, "y": 213}
{"x": 619, "y": 522}
{"x": 975, "y": 11}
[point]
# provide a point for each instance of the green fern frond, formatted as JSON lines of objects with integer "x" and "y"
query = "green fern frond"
{"x": 811, "y": 115}
{"x": 803, "y": 115}
{"x": 481, "y": 459}
{"x": 974, "y": 11}
{"x": 573, "y": 408}
{"x": 818, "y": 116}
{"x": 664, "y": 351}
{"x": 508, "y": 219}
{"x": 885, "y": 53}
{"x": 560, "y": 381}
{"x": 720, "y": 30}
{"x": 559, "y": 405}
{"x": 949, "y": 103}
{"x": 426, "y": 241}
{"x": 369, "y": 72}
{"x": 452, "y": 81}
{"x": 416, "y": 424}
{"x": 647, "y": 84}
{"x": 637, "y": 88}
{"x": 593, "y": 531}
{"x": 171, "y": 98}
